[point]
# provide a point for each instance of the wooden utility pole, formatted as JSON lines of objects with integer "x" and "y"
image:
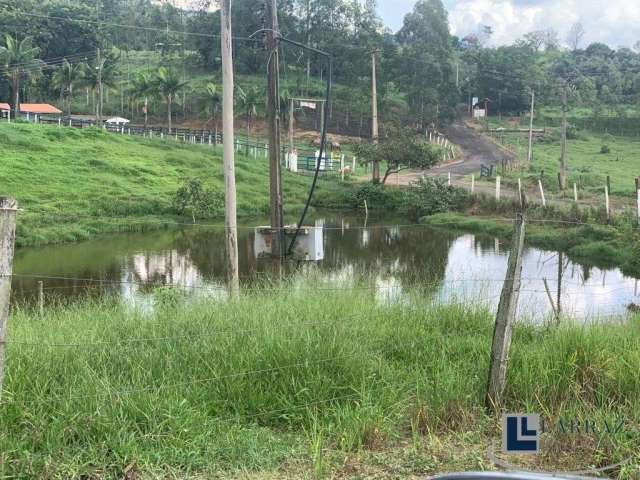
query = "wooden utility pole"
{"x": 504, "y": 320}
{"x": 99, "y": 103}
{"x": 530, "y": 152}
{"x": 563, "y": 147}
{"x": 273, "y": 121}
{"x": 374, "y": 116}
{"x": 231, "y": 228}
{"x": 8, "y": 209}
{"x": 291, "y": 120}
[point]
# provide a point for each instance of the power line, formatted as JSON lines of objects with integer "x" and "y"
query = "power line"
{"x": 133, "y": 27}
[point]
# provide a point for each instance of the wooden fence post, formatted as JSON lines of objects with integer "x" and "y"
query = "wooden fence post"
{"x": 575, "y": 192}
{"x": 606, "y": 201}
{"x": 520, "y": 193}
{"x": 638, "y": 198}
{"x": 498, "y": 187}
{"x": 504, "y": 319}
{"x": 41, "y": 297}
{"x": 8, "y": 209}
{"x": 449, "y": 178}
{"x": 544, "y": 202}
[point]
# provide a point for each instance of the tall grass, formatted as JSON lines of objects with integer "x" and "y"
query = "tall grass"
{"x": 196, "y": 384}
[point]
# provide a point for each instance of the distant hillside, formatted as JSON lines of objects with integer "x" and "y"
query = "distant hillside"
{"x": 74, "y": 184}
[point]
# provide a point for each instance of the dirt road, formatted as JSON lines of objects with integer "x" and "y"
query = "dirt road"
{"x": 475, "y": 149}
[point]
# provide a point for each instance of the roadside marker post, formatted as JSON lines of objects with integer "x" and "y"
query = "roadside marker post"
{"x": 498, "y": 187}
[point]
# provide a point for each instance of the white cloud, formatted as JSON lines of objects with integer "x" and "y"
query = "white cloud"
{"x": 612, "y": 21}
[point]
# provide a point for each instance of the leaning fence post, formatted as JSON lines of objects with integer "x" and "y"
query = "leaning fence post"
{"x": 8, "y": 209}
{"x": 544, "y": 202}
{"x": 41, "y": 297}
{"x": 504, "y": 319}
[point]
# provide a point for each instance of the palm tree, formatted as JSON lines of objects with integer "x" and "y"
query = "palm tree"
{"x": 143, "y": 86}
{"x": 168, "y": 85}
{"x": 64, "y": 79}
{"x": 250, "y": 100}
{"x": 214, "y": 98}
{"x": 102, "y": 73}
{"x": 19, "y": 62}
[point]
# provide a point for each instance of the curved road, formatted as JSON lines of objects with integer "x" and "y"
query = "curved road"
{"x": 475, "y": 148}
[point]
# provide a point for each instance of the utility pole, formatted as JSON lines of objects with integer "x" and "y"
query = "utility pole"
{"x": 563, "y": 148}
{"x": 273, "y": 121}
{"x": 530, "y": 151}
{"x": 374, "y": 115}
{"x": 291, "y": 120}
{"x": 231, "y": 228}
{"x": 99, "y": 103}
{"x": 457, "y": 75}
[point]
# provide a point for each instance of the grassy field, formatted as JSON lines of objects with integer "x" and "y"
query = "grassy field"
{"x": 74, "y": 184}
{"x": 308, "y": 383}
{"x": 587, "y": 166}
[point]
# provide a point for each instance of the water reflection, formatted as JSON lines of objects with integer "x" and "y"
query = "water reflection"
{"x": 387, "y": 258}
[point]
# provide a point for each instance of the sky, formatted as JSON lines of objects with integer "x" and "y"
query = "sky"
{"x": 614, "y": 22}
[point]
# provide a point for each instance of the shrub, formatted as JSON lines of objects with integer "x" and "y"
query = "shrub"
{"x": 605, "y": 149}
{"x": 377, "y": 197}
{"x": 430, "y": 196}
{"x": 198, "y": 200}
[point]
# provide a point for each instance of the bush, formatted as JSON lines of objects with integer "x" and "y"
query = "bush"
{"x": 198, "y": 200}
{"x": 430, "y": 196}
{"x": 605, "y": 149}
{"x": 377, "y": 197}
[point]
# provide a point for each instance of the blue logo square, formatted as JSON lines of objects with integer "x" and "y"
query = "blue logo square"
{"x": 520, "y": 433}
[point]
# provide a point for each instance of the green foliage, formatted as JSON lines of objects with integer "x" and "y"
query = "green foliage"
{"x": 605, "y": 149}
{"x": 430, "y": 196}
{"x": 207, "y": 387}
{"x": 198, "y": 200}
{"x": 377, "y": 197}
{"x": 400, "y": 149}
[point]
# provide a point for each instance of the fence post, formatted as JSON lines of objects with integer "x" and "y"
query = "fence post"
{"x": 498, "y": 187}
{"x": 8, "y": 209}
{"x": 606, "y": 201}
{"x": 41, "y": 297}
{"x": 504, "y": 319}
{"x": 473, "y": 182}
{"x": 638, "y": 197}
{"x": 544, "y": 202}
{"x": 520, "y": 192}
{"x": 449, "y": 178}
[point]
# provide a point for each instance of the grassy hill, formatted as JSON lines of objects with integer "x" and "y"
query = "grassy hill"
{"x": 74, "y": 184}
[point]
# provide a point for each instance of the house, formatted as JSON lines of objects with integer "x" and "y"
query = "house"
{"x": 31, "y": 110}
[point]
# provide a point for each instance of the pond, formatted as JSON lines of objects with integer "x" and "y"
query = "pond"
{"x": 389, "y": 256}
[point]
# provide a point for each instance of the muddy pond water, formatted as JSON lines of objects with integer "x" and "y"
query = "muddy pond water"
{"x": 389, "y": 256}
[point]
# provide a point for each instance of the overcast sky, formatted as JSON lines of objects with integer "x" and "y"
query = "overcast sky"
{"x": 615, "y": 22}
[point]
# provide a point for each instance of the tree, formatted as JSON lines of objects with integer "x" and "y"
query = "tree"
{"x": 214, "y": 101}
{"x": 168, "y": 85}
{"x": 65, "y": 78}
{"x": 402, "y": 149}
{"x": 19, "y": 62}
{"x": 250, "y": 99}
{"x": 102, "y": 74}
{"x": 143, "y": 86}
{"x": 575, "y": 35}
{"x": 427, "y": 53}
